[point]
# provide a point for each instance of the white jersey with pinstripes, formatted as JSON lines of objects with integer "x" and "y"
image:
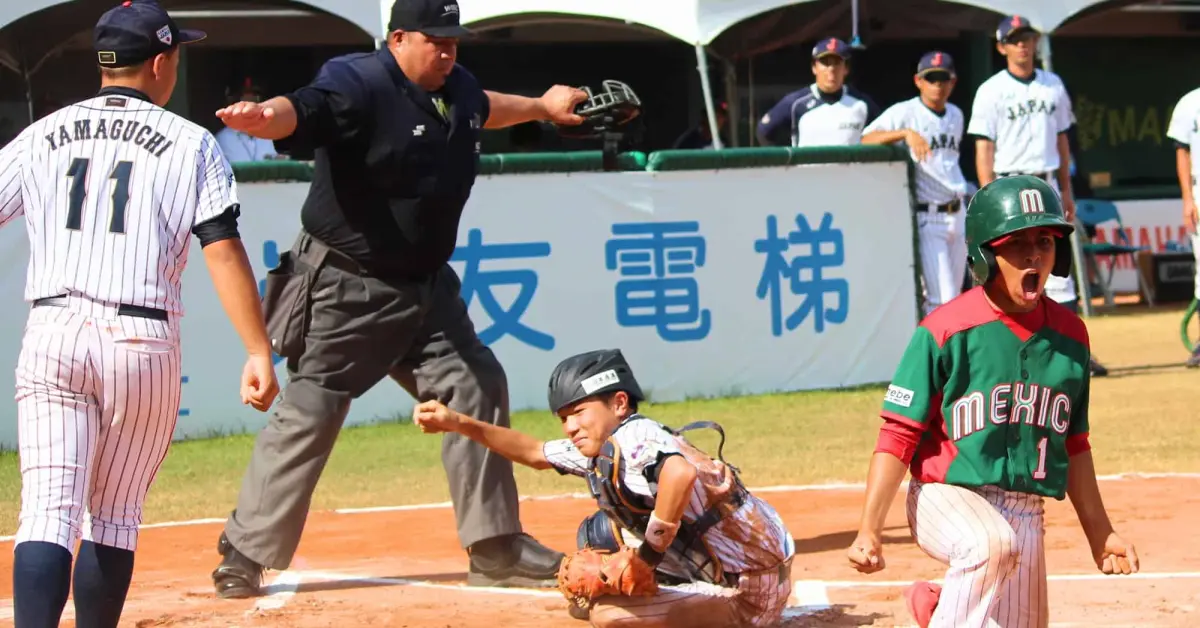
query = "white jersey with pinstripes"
{"x": 111, "y": 188}
{"x": 753, "y": 540}
{"x": 939, "y": 179}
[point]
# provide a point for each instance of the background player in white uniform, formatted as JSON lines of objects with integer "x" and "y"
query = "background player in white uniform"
{"x": 748, "y": 548}
{"x": 1184, "y": 129}
{"x": 826, "y": 113}
{"x": 932, "y": 128}
{"x": 1020, "y": 118}
{"x": 111, "y": 189}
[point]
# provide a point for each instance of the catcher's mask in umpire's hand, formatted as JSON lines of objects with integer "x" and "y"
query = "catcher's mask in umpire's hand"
{"x": 606, "y": 114}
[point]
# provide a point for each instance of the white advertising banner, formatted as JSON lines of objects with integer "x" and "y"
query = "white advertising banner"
{"x": 1151, "y": 223}
{"x": 721, "y": 283}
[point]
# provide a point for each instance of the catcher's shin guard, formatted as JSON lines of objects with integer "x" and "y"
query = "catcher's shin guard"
{"x": 598, "y": 532}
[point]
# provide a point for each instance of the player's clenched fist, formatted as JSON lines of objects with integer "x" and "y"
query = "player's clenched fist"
{"x": 434, "y": 417}
{"x": 866, "y": 553}
{"x": 259, "y": 385}
{"x": 1116, "y": 556}
{"x": 246, "y": 117}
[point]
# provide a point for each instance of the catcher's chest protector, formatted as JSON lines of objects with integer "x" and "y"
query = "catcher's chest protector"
{"x": 689, "y": 553}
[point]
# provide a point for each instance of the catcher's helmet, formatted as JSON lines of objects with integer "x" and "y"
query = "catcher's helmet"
{"x": 1008, "y": 205}
{"x": 593, "y": 373}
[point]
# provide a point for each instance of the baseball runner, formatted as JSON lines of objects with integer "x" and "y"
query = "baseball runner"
{"x": 1184, "y": 130}
{"x": 1020, "y": 118}
{"x": 111, "y": 189}
{"x": 932, "y": 128}
{"x": 826, "y": 113}
{"x": 989, "y": 411}
{"x": 669, "y": 514}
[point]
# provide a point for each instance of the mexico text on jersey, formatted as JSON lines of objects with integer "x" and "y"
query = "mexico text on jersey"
{"x": 1002, "y": 404}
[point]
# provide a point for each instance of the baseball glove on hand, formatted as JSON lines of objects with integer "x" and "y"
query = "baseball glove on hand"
{"x": 589, "y": 574}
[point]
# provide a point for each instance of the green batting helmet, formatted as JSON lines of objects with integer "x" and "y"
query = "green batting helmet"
{"x": 1006, "y": 206}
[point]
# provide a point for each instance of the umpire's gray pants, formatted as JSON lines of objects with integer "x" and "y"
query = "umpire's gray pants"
{"x": 360, "y": 329}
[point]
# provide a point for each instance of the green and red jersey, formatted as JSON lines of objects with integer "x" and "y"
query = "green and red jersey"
{"x": 1000, "y": 400}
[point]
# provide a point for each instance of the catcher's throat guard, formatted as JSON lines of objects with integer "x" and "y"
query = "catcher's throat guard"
{"x": 688, "y": 556}
{"x": 605, "y": 114}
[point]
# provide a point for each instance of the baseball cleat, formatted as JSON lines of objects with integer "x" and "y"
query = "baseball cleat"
{"x": 922, "y": 599}
{"x": 236, "y": 577}
{"x": 515, "y": 560}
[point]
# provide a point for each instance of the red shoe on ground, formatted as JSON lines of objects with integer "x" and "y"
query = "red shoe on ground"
{"x": 922, "y": 598}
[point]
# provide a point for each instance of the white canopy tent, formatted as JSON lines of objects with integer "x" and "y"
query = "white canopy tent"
{"x": 700, "y": 22}
{"x": 361, "y": 13}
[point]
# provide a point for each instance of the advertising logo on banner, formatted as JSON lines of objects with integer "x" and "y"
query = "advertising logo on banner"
{"x": 733, "y": 282}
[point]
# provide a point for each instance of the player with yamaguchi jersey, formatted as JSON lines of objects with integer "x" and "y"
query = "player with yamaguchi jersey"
{"x": 111, "y": 189}
{"x": 1184, "y": 130}
{"x": 827, "y": 112}
{"x": 663, "y": 503}
{"x": 1020, "y": 118}
{"x": 932, "y": 128}
{"x": 989, "y": 411}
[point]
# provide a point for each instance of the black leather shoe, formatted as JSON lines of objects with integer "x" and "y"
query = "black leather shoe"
{"x": 1098, "y": 369}
{"x": 237, "y": 576}
{"x": 515, "y": 560}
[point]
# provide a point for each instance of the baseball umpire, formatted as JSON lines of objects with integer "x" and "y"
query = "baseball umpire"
{"x": 366, "y": 292}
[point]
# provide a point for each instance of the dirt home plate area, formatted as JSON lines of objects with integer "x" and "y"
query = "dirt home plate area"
{"x": 403, "y": 567}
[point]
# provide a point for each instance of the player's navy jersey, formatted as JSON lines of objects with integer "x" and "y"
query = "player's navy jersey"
{"x": 808, "y": 117}
{"x": 1000, "y": 401}
{"x": 939, "y": 178}
{"x": 754, "y": 537}
{"x": 1023, "y": 118}
{"x": 111, "y": 188}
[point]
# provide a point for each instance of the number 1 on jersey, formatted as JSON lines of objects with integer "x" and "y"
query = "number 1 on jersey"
{"x": 120, "y": 196}
{"x": 1040, "y": 472}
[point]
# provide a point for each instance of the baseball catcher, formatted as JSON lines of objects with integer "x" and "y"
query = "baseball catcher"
{"x": 678, "y": 540}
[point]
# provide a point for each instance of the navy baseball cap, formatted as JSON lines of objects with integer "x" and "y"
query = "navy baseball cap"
{"x": 436, "y": 18}
{"x": 136, "y": 31}
{"x": 1012, "y": 25}
{"x": 936, "y": 62}
{"x": 831, "y": 46}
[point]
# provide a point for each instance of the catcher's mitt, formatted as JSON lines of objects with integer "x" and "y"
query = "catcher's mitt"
{"x": 589, "y": 574}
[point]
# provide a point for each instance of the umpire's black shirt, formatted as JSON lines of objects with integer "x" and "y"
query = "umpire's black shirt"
{"x": 391, "y": 173}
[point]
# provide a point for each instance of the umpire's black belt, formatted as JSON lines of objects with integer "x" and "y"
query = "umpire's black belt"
{"x": 945, "y": 208}
{"x": 139, "y": 311}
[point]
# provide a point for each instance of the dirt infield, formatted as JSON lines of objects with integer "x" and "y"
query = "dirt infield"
{"x": 404, "y": 568}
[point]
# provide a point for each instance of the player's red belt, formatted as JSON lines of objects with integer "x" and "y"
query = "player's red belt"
{"x": 139, "y": 311}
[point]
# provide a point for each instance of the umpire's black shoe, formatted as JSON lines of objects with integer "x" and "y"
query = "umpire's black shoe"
{"x": 237, "y": 576}
{"x": 515, "y": 560}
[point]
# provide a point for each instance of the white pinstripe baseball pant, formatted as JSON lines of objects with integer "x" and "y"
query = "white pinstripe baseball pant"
{"x": 97, "y": 401}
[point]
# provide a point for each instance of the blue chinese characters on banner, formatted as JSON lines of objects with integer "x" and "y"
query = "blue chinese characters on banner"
{"x": 799, "y": 261}
{"x": 479, "y": 282}
{"x": 657, "y": 262}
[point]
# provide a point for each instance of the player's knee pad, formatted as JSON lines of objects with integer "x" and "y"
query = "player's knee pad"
{"x": 598, "y": 532}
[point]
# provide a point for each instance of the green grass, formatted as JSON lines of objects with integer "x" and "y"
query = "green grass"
{"x": 1143, "y": 419}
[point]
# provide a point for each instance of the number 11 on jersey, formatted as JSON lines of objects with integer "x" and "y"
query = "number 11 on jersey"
{"x": 120, "y": 196}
